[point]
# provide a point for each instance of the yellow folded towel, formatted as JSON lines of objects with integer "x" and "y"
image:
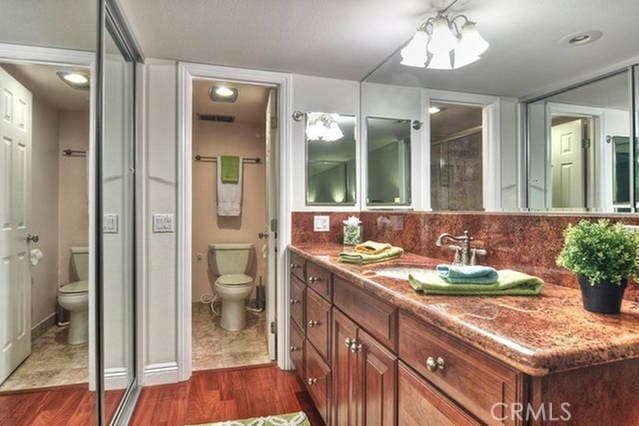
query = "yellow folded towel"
{"x": 365, "y": 259}
{"x": 372, "y": 247}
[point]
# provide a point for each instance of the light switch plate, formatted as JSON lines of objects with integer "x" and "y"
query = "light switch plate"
{"x": 110, "y": 223}
{"x": 321, "y": 223}
{"x": 163, "y": 223}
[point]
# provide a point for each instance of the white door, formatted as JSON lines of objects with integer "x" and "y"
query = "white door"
{"x": 568, "y": 183}
{"x": 15, "y": 173}
{"x": 272, "y": 184}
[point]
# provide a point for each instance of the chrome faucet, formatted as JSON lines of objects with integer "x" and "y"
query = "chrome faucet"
{"x": 464, "y": 254}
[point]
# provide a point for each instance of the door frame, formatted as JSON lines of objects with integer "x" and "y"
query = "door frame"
{"x": 598, "y": 153}
{"x": 187, "y": 72}
{"x": 21, "y": 54}
{"x": 491, "y": 140}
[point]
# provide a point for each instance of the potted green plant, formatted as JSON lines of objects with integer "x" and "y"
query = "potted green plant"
{"x": 603, "y": 256}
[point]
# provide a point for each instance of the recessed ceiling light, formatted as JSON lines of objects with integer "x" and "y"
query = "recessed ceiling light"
{"x": 580, "y": 38}
{"x": 223, "y": 94}
{"x": 75, "y": 79}
{"x": 434, "y": 110}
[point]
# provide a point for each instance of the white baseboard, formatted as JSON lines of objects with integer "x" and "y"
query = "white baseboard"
{"x": 116, "y": 378}
{"x": 160, "y": 374}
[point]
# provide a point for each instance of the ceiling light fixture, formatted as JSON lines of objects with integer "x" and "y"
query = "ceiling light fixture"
{"x": 75, "y": 79}
{"x": 223, "y": 94}
{"x": 580, "y": 38}
{"x": 441, "y": 43}
{"x": 323, "y": 128}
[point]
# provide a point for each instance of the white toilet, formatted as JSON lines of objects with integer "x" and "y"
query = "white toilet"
{"x": 74, "y": 297}
{"x": 229, "y": 263}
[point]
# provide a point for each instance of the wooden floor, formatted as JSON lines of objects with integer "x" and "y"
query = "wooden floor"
{"x": 60, "y": 405}
{"x": 219, "y": 395}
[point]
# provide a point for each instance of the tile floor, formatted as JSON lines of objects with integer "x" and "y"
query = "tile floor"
{"x": 215, "y": 348}
{"x": 52, "y": 362}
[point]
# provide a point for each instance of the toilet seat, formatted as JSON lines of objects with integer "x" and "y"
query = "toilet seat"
{"x": 234, "y": 279}
{"x": 75, "y": 287}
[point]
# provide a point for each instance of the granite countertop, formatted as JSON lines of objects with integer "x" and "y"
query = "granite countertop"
{"x": 537, "y": 335}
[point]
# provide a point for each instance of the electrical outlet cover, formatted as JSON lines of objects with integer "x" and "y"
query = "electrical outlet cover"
{"x": 110, "y": 223}
{"x": 321, "y": 223}
{"x": 162, "y": 223}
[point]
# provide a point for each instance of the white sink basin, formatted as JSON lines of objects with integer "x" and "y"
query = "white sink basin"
{"x": 401, "y": 272}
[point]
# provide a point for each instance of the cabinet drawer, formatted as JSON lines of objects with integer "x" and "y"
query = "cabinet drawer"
{"x": 319, "y": 279}
{"x": 297, "y": 301}
{"x": 297, "y": 350}
{"x": 318, "y": 381}
{"x": 419, "y": 403}
{"x": 473, "y": 379}
{"x": 318, "y": 322}
{"x": 297, "y": 265}
{"x": 376, "y": 317}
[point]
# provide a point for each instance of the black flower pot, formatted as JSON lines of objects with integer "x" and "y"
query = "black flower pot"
{"x": 602, "y": 298}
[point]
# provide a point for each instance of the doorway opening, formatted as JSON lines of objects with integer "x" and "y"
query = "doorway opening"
{"x": 45, "y": 131}
{"x": 571, "y": 161}
{"x": 457, "y": 156}
{"x": 233, "y": 222}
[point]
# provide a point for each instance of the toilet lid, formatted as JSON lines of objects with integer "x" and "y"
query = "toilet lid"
{"x": 75, "y": 287}
{"x": 234, "y": 279}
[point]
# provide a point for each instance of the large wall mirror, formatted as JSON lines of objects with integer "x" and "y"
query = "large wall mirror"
{"x": 331, "y": 166}
{"x": 571, "y": 151}
{"x": 388, "y": 162}
{"x": 579, "y": 148}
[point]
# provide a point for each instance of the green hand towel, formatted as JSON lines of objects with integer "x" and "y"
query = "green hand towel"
{"x": 467, "y": 274}
{"x": 509, "y": 283}
{"x": 365, "y": 259}
{"x": 230, "y": 169}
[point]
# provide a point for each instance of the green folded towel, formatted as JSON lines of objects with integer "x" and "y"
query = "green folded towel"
{"x": 509, "y": 283}
{"x": 365, "y": 259}
{"x": 230, "y": 169}
{"x": 467, "y": 274}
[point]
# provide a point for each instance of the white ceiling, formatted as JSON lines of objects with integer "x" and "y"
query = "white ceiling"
{"x": 611, "y": 92}
{"x": 42, "y": 81}
{"x": 524, "y": 57}
{"x": 333, "y": 38}
{"x": 250, "y": 106}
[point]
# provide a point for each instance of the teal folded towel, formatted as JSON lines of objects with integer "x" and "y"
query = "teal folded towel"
{"x": 509, "y": 283}
{"x": 230, "y": 169}
{"x": 467, "y": 274}
{"x": 365, "y": 259}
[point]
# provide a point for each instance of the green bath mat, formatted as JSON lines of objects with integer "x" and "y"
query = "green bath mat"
{"x": 290, "y": 419}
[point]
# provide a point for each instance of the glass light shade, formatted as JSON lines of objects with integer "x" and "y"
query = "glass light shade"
{"x": 472, "y": 41}
{"x": 464, "y": 55}
{"x": 442, "y": 40}
{"x": 315, "y": 131}
{"x": 440, "y": 62}
{"x": 414, "y": 54}
{"x": 333, "y": 133}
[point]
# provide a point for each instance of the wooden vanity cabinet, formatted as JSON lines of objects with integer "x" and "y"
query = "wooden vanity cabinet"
{"x": 364, "y": 376}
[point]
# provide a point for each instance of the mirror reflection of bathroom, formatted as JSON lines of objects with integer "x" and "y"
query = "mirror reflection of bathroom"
{"x": 456, "y": 133}
{"x": 44, "y": 290}
{"x": 234, "y": 142}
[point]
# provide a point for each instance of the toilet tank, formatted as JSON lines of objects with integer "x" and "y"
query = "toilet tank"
{"x": 80, "y": 257}
{"x": 230, "y": 258}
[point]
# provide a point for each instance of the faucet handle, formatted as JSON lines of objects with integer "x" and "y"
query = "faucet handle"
{"x": 474, "y": 253}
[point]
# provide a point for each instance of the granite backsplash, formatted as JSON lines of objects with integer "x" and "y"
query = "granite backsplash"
{"x": 524, "y": 241}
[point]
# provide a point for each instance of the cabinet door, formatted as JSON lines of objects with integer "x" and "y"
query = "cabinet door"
{"x": 344, "y": 378}
{"x": 318, "y": 381}
{"x": 419, "y": 403}
{"x": 378, "y": 369}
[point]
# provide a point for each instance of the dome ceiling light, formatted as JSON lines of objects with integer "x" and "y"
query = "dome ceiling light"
{"x": 444, "y": 43}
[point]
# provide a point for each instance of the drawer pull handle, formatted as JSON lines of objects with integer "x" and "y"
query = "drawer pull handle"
{"x": 311, "y": 381}
{"x": 312, "y": 323}
{"x": 295, "y": 266}
{"x": 356, "y": 347}
{"x": 348, "y": 341}
{"x": 435, "y": 363}
{"x": 313, "y": 280}
{"x": 294, "y": 348}
{"x": 294, "y": 301}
